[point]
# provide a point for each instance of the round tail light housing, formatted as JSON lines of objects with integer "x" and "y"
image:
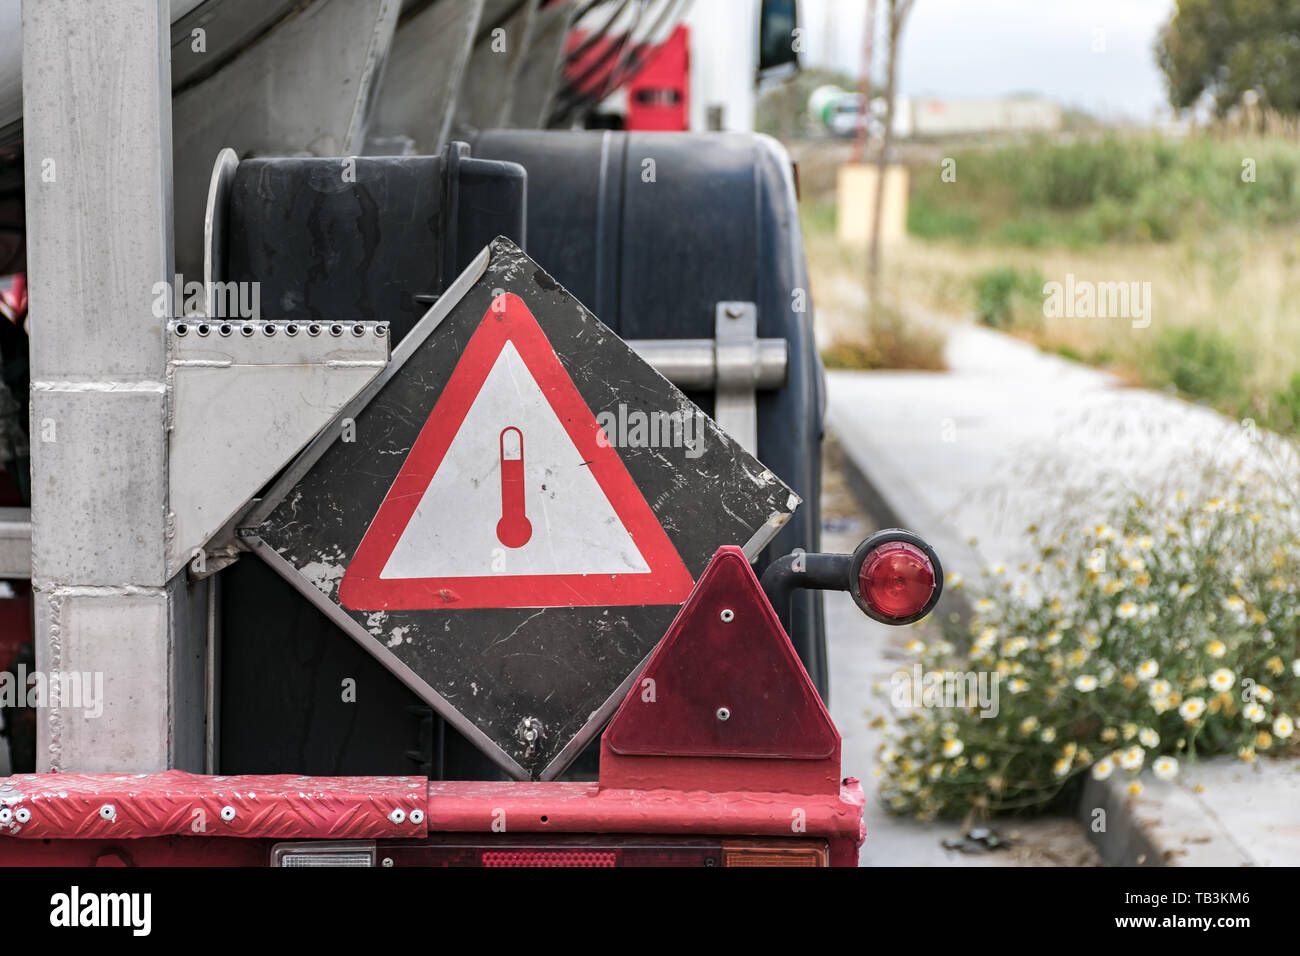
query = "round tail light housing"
{"x": 895, "y": 577}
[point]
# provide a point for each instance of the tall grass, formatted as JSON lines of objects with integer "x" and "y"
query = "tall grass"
{"x": 1211, "y": 220}
{"x": 1111, "y": 188}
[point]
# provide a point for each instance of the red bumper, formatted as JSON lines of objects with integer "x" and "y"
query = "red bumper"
{"x": 176, "y": 818}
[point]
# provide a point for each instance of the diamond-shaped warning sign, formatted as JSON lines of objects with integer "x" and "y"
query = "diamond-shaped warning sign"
{"x": 513, "y": 512}
{"x": 511, "y": 497}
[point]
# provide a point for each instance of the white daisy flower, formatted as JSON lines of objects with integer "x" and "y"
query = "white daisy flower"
{"x": 1221, "y": 679}
{"x": 1103, "y": 768}
{"x": 1191, "y": 708}
{"x": 1131, "y": 759}
{"x": 1166, "y": 768}
{"x": 1283, "y": 726}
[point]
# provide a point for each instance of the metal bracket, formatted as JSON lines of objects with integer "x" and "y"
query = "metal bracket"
{"x": 246, "y": 397}
{"x": 735, "y": 408}
{"x": 736, "y": 364}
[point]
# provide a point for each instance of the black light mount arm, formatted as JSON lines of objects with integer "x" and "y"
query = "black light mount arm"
{"x": 803, "y": 569}
{"x": 840, "y": 572}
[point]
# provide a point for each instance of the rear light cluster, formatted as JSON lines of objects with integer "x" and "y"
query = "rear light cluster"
{"x": 895, "y": 577}
{"x": 445, "y": 850}
{"x": 314, "y": 855}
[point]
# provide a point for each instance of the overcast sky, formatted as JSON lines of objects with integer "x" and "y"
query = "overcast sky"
{"x": 984, "y": 48}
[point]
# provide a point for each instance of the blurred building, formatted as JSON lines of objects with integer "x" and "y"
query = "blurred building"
{"x": 1007, "y": 114}
{"x": 839, "y": 112}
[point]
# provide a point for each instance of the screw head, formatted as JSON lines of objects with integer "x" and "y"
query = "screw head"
{"x": 387, "y": 861}
{"x": 734, "y": 312}
{"x": 227, "y": 813}
{"x": 723, "y": 713}
{"x": 108, "y": 811}
{"x": 727, "y": 615}
{"x": 398, "y": 815}
{"x": 22, "y": 814}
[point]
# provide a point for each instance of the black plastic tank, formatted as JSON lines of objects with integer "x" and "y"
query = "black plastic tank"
{"x": 650, "y": 231}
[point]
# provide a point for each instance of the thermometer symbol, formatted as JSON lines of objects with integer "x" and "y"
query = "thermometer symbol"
{"x": 514, "y": 529}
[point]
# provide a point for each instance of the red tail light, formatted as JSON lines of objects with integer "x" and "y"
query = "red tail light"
{"x": 540, "y": 857}
{"x": 895, "y": 577}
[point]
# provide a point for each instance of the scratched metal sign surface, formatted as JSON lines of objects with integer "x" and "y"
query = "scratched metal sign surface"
{"x": 512, "y": 514}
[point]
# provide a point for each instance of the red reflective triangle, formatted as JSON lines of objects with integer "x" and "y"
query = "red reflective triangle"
{"x": 367, "y": 587}
{"x": 712, "y": 665}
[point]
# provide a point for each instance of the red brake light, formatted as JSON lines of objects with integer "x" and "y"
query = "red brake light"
{"x": 896, "y": 580}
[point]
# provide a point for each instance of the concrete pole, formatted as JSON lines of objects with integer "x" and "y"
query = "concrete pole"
{"x": 97, "y": 144}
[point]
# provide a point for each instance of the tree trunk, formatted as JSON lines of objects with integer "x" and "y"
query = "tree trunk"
{"x": 898, "y": 10}
{"x": 864, "y": 85}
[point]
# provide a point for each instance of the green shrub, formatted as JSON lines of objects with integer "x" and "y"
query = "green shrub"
{"x": 1201, "y": 364}
{"x": 1030, "y": 233}
{"x": 891, "y": 341}
{"x": 1108, "y": 188}
{"x": 1284, "y": 412}
{"x": 1167, "y": 632}
{"x": 930, "y": 220}
{"x": 1001, "y": 293}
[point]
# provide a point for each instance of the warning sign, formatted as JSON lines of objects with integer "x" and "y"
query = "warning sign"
{"x": 512, "y": 513}
{"x": 511, "y": 497}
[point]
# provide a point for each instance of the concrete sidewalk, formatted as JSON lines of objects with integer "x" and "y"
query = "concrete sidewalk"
{"x": 1010, "y": 437}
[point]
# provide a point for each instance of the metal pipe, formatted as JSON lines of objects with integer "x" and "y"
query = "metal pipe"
{"x": 800, "y": 569}
{"x": 693, "y": 363}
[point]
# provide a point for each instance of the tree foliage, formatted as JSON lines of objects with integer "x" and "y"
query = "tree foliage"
{"x": 1225, "y": 48}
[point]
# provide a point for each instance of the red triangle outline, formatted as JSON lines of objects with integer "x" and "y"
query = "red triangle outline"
{"x": 681, "y": 720}
{"x": 508, "y": 319}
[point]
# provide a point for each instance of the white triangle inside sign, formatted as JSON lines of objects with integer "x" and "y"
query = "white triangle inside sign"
{"x": 512, "y": 496}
